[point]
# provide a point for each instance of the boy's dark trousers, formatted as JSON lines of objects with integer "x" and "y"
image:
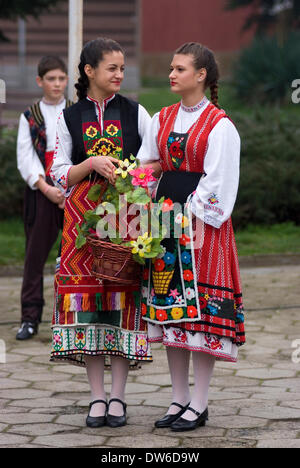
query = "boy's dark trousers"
{"x": 42, "y": 222}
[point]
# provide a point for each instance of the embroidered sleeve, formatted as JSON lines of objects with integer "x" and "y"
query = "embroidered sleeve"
{"x": 215, "y": 196}
{"x": 62, "y": 162}
{"x": 28, "y": 162}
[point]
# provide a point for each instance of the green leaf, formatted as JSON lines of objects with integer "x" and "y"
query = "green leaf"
{"x": 94, "y": 193}
{"x": 123, "y": 185}
{"x": 140, "y": 197}
{"x": 116, "y": 240}
{"x": 91, "y": 217}
{"x": 138, "y": 259}
{"x": 80, "y": 241}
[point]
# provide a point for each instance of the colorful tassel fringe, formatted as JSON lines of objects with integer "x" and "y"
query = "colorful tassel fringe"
{"x": 78, "y": 302}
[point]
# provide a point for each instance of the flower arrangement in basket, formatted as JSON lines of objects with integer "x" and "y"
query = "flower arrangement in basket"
{"x": 123, "y": 230}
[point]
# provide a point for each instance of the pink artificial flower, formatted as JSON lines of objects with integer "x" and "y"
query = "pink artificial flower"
{"x": 142, "y": 176}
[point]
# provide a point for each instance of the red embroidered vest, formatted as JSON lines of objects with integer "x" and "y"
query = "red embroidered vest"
{"x": 197, "y": 135}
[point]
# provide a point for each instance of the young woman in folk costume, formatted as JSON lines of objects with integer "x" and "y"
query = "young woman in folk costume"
{"x": 192, "y": 297}
{"x": 93, "y": 321}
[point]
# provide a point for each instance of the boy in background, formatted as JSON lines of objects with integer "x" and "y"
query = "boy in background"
{"x": 43, "y": 203}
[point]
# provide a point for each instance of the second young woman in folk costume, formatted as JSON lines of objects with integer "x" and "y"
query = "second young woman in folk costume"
{"x": 192, "y": 298}
{"x": 93, "y": 321}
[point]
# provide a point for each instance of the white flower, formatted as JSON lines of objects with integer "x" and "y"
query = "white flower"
{"x": 190, "y": 293}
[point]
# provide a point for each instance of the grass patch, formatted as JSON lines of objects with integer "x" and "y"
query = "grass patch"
{"x": 12, "y": 243}
{"x": 274, "y": 239}
{"x": 259, "y": 240}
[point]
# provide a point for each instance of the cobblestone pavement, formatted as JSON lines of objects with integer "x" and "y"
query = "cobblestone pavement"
{"x": 254, "y": 403}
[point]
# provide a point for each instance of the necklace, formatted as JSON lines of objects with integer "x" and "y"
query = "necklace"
{"x": 194, "y": 108}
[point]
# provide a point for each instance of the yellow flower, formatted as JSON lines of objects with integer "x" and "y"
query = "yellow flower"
{"x": 152, "y": 313}
{"x": 91, "y": 131}
{"x": 177, "y": 313}
{"x": 142, "y": 245}
{"x": 125, "y": 167}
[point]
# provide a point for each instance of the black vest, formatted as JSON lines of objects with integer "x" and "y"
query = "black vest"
{"x": 120, "y": 108}
{"x": 37, "y": 128}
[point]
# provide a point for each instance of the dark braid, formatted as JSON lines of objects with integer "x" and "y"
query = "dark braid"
{"x": 92, "y": 54}
{"x": 204, "y": 58}
{"x": 214, "y": 94}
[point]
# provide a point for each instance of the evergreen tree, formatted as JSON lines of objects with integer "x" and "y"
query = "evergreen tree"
{"x": 14, "y": 9}
{"x": 284, "y": 15}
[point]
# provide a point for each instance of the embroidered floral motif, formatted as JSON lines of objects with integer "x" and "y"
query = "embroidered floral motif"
{"x": 176, "y": 146}
{"x": 203, "y": 301}
{"x": 112, "y": 130}
{"x": 192, "y": 311}
{"x": 213, "y": 199}
{"x": 161, "y": 315}
{"x": 57, "y": 340}
{"x": 188, "y": 275}
{"x": 141, "y": 345}
{"x": 213, "y": 342}
{"x": 91, "y": 132}
{"x": 102, "y": 147}
{"x": 62, "y": 182}
{"x": 190, "y": 293}
{"x": 186, "y": 257}
{"x": 179, "y": 300}
{"x": 97, "y": 144}
{"x": 177, "y": 313}
{"x": 179, "y": 336}
{"x": 169, "y": 258}
{"x": 159, "y": 264}
{"x": 110, "y": 340}
{"x": 80, "y": 338}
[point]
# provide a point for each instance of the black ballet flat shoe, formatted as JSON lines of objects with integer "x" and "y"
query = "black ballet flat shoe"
{"x": 116, "y": 421}
{"x": 96, "y": 421}
{"x": 182, "y": 424}
{"x": 168, "y": 419}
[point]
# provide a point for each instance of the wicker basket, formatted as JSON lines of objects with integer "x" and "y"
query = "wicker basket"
{"x": 113, "y": 262}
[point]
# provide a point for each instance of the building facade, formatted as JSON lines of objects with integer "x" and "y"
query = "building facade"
{"x": 148, "y": 30}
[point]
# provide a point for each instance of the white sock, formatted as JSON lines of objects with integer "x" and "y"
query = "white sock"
{"x": 119, "y": 372}
{"x": 95, "y": 373}
{"x": 203, "y": 364}
{"x": 179, "y": 360}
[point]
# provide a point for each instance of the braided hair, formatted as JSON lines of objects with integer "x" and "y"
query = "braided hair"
{"x": 91, "y": 54}
{"x": 204, "y": 58}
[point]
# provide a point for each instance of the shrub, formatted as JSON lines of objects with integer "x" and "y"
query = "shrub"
{"x": 270, "y": 177}
{"x": 11, "y": 183}
{"x": 265, "y": 71}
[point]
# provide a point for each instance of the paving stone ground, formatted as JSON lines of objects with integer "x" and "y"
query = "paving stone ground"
{"x": 254, "y": 403}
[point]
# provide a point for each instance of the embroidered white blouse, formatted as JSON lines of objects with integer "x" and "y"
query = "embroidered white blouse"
{"x": 215, "y": 195}
{"x": 62, "y": 162}
{"x": 28, "y": 162}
